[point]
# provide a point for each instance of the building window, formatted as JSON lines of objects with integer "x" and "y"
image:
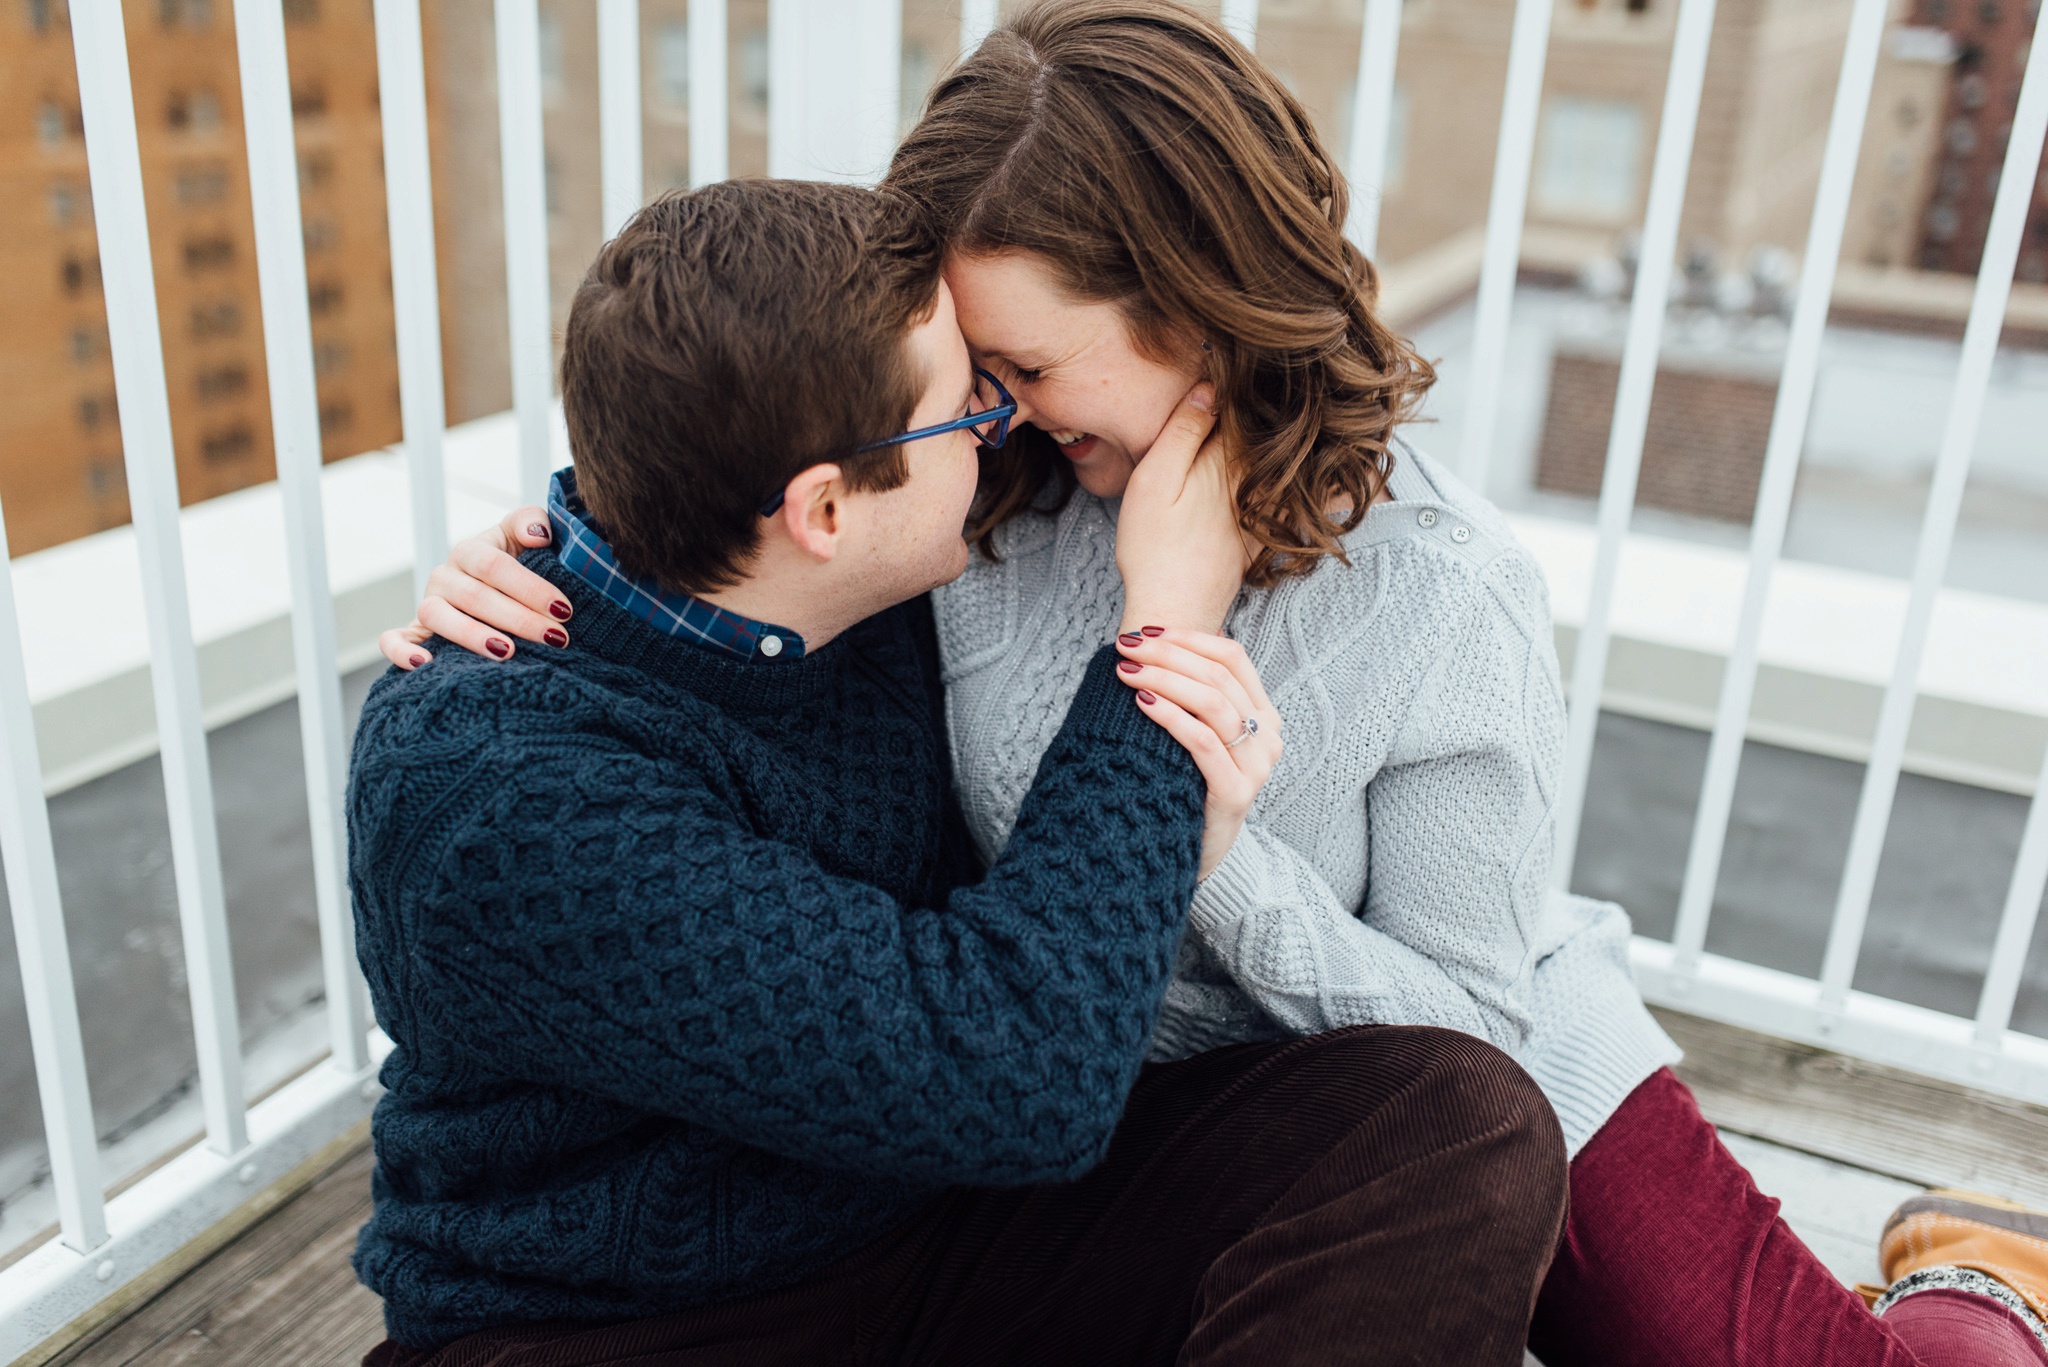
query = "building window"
{"x": 672, "y": 65}
{"x": 198, "y": 112}
{"x": 330, "y": 358}
{"x": 315, "y": 170}
{"x": 232, "y": 443}
{"x": 917, "y": 74}
{"x": 54, "y": 123}
{"x": 86, "y": 345}
{"x": 1587, "y": 158}
{"x": 301, "y": 11}
{"x": 221, "y": 318}
{"x": 309, "y": 101}
{"x": 322, "y": 234}
{"x": 97, "y": 409}
{"x": 1397, "y": 139}
{"x": 202, "y": 185}
{"x": 38, "y": 13}
{"x": 194, "y": 14}
{"x": 104, "y": 477}
{"x": 81, "y": 273}
{"x": 208, "y": 253}
{"x": 222, "y": 382}
{"x": 69, "y": 203}
{"x": 754, "y": 68}
{"x": 323, "y": 297}
{"x": 551, "y": 81}
{"x": 337, "y": 415}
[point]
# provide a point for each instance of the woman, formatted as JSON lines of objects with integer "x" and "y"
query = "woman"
{"x": 1133, "y": 204}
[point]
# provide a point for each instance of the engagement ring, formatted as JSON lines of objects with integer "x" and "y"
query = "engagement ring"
{"x": 1251, "y": 728}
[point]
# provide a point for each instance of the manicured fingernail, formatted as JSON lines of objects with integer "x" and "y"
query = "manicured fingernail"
{"x": 539, "y": 530}
{"x": 555, "y": 637}
{"x": 417, "y": 660}
{"x": 1153, "y": 631}
{"x": 498, "y": 648}
{"x": 1145, "y": 697}
{"x": 1129, "y": 666}
{"x": 561, "y": 609}
{"x": 1130, "y": 638}
{"x": 1203, "y": 396}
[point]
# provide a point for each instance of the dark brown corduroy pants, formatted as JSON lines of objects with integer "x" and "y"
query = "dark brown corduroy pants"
{"x": 1377, "y": 1195}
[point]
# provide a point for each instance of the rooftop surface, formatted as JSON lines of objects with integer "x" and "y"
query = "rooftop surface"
{"x": 1839, "y": 1143}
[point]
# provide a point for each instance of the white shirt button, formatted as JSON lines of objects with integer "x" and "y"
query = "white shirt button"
{"x": 771, "y": 646}
{"x": 1427, "y": 517}
{"x": 1461, "y": 534}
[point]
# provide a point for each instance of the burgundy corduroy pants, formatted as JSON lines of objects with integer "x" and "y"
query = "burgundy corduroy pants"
{"x": 1673, "y": 1258}
{"x": 1375, "y": 1195}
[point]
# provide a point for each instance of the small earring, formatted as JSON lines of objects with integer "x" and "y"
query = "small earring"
{"x": 1206, "y": 346}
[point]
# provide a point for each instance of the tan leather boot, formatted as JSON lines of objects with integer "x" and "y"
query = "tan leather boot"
{"x": 1999, "y": 1238}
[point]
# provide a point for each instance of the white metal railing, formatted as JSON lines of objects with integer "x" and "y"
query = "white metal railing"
{"x": 833, "y": 115}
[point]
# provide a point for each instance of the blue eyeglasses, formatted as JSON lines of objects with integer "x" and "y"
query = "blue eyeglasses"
{"x": 991, "y": 425}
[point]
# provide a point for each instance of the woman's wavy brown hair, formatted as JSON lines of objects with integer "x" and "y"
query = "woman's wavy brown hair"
{"x": 1160, "y": 167}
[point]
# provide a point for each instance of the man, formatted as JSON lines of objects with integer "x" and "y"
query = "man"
{"x": 713, "y": 1043}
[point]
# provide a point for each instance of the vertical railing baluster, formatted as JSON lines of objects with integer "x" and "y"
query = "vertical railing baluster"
{"x": 618, "y": 87}
{"x": 1780, "y": 471}
{"x": 1372, "y": 120}
{"x": 977, "y": 17}
{"x": 114, "y": 165}
{"x": 1241, "y": 17}
{"x": 522, "y": 158}
{"x": 1501, "y": 262}
{"x": 1937, "y": 534}
{"x": 415, "y": 287}
{"x": 1675, "y": 128}
{"x": 2016, "y": 923}
{"x": 40, "y": 943}
{"x": 295, "y": 428}
{"x": 710, "y": 142}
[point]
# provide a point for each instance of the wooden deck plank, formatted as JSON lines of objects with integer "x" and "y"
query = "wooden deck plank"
{"x": 281, "y": 1293}
{"x": 1864, "y": 1114}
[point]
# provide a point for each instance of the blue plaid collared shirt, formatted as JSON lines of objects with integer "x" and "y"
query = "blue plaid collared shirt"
{"x": 584, "y": 552}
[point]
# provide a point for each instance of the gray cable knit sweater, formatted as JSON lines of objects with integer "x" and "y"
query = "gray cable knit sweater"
{"x": 1395, "y": 869}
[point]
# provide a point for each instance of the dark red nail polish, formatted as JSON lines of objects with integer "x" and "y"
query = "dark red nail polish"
{"x": 539, "y": 530}
{"x": 1153, "y": 631}
{"x": 417, "y": 661}
{"x": 1145, "y": 697}
{"x": 1129, "y": 666}
{"x": 555, "y": 637}
{"x": 1130, "y": 638}
{"x": 561, "y": 609}
{"x": 498, "y": 648}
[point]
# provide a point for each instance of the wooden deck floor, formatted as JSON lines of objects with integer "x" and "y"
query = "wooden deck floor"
{"x": 1838, "y": 1139}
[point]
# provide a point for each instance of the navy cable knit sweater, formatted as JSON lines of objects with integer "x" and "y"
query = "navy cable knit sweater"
{"x": 692, "y": 982}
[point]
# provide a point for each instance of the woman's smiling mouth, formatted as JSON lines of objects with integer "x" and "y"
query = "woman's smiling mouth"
{"x": 1074, "y": 445}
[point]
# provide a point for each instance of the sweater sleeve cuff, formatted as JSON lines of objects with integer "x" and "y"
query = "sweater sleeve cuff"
{"x": 1106, "y": 710}
{"x": 1233, "y": 888}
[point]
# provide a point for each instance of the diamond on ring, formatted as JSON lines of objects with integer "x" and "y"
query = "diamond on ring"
{"x": 1250, "y": 729}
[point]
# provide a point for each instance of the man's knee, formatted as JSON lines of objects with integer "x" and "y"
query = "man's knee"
{"x": 1474, "y": 1097}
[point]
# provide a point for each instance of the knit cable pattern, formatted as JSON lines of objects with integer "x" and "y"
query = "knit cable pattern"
{"x": 692, "y": 982}
{"x": 1395, "y": 869}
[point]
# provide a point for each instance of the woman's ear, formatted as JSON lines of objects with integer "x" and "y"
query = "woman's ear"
{"x": 812, "y": 511}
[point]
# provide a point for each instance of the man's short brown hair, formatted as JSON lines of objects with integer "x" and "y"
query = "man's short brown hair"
{"x": 727, "y": 339}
